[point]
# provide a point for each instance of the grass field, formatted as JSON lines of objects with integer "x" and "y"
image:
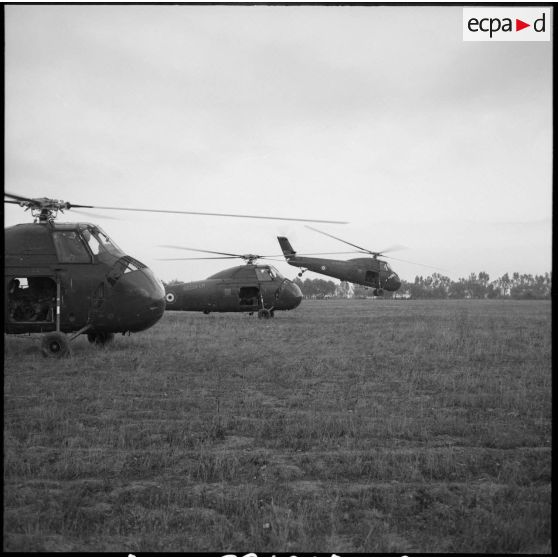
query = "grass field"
{"x": 361, "y": 426}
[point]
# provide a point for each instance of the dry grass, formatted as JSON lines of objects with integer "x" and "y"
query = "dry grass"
{"x": 344, "y": 426}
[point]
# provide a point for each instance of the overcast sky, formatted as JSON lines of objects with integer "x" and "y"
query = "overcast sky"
{"x": 380, "y": 115}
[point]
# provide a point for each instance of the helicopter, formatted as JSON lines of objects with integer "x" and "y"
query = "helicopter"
{"x": 369, "y": 271}
{"x": 72, "y": 278}
{"x": 246, "y": 288}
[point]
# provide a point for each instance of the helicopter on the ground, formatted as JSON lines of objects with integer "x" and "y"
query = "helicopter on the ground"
{"x": 369, "y": 272}
{"x": 72, "y": 278}
{"x": 246, "y": 288}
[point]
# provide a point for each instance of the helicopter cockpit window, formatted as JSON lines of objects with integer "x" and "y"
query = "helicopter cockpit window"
{"x": 92, "y": 241}
{"x": 264, "y": 274}
{"x": 276, "y": 273}
{"x": 98, "y": 241}
{"x": 384, "y": 266}
{"x": 70, "y": 248}
{"x": 126, "y": 264}
{"x": 131, "y": 267}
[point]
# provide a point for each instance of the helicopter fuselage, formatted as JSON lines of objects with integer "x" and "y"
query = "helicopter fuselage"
{"x": 70, "y": 276}
{"x": 245, "y": 288}
{"x": 369, "y": 272}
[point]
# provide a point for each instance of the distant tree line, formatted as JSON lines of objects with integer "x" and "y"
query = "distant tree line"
{"x": 316, "y": 288}
{"x": 517, "y": 286}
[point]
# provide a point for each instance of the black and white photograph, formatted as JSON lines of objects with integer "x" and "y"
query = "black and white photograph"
{"x": 277, "y": 278}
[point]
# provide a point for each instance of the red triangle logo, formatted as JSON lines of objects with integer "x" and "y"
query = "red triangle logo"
{"x": 519, "y": 25}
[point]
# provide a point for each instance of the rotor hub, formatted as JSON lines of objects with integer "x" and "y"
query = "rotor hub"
{"x": 44, "y": 209}
{"x": 250, "y": 258}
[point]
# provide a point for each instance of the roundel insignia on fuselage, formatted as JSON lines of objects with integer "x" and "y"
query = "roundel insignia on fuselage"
{"x": 170, "y": 298}
{"x": 324, "y": 267}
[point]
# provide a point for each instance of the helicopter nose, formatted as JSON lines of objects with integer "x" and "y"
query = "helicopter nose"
{"x": 395, "y": 283}
{"x": 141, "y": 298}
{"x": 294, "y": 294}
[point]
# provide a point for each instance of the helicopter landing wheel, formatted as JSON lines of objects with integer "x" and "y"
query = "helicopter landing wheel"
{"x": 264, "y": 313}
{"x": 100, "y": 337}
{"x": 378, "y": 292}
{"x": 55, "y": 345}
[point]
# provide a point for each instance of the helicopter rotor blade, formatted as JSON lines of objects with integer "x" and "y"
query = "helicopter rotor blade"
{"x": 215, "y": 214}
{"x": 327, "y": 253}
{"x": 393, "y": 248}
{"x": 207, "y": 258}
{"x": 17, "y": 198}
{"x": 240, "y": 255}
{"x": 95, "y": 215}
{"x": 341, "y": 240}
{"x": 375, "y": 254}
{"x": 218, "y": 258}
{"x": 198, "y": 250}
{"x": 59, "y": 204}
{"x": 244, "y": 256}
{"x": 43, "y": 201}
{"x": 415, "y": 263}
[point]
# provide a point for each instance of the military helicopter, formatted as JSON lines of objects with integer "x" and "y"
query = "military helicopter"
{"x": 246, "y": 288}
{"x": 369, "y": 272}
{"x": 72, "y": 278}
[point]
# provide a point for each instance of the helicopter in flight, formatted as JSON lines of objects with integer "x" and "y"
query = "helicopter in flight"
{"x": 246, "y": 288}
{"x": 72, "y": 278}
{"x": 368, "y": 271}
